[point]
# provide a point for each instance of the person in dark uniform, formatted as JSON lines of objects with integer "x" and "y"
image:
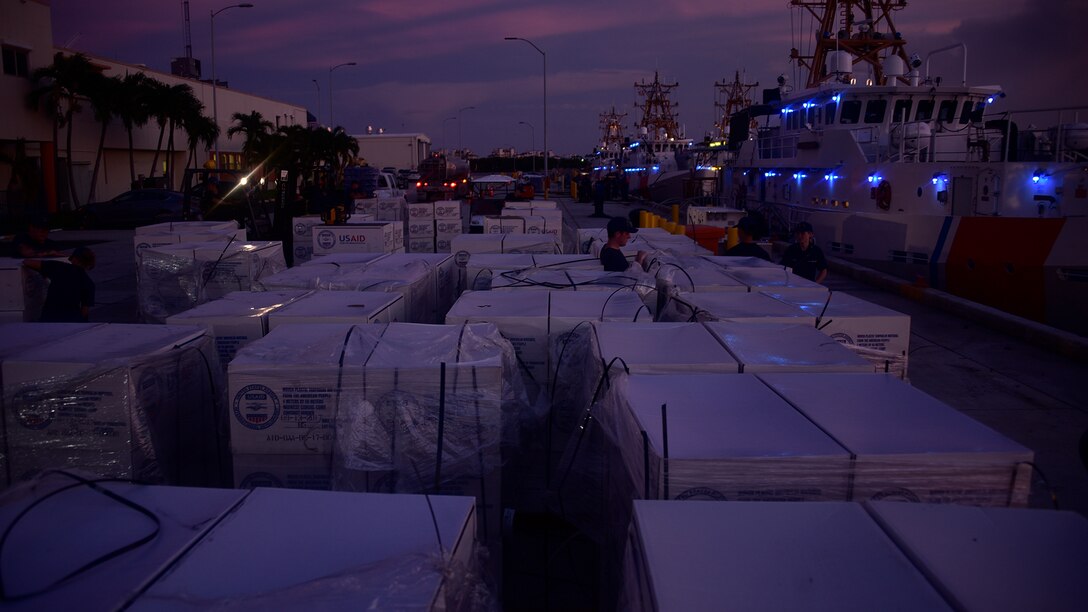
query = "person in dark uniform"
{"x": 619, "y": 233}
{"x": 804, "y": 257}
{"x": 747, "y": 246}
{"x": 71, "y": 290}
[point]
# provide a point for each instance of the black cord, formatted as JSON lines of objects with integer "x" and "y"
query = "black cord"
{"x": 678, "y": 267}
{"x": 215, "y": 265}
{"x": 94, "y": 486}
{"x": 820, "y": 316}
{"x": 1046, "y": 482}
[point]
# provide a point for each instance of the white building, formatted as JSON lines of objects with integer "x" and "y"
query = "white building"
{"x": 26, "y": 42}
{"x": 400, "y": 151}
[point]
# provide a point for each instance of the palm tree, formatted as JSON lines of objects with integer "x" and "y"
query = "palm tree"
{"x": 185, "y": 108}
{"x": 158, "y": 100}
{"x": 59, "y": 87}
{"x": 200, "y": 130}
{"x": 257, "y": 131}
{"x": 104, "y": 94}
{"x": 342, "y": 149}
{"x": 132, "y": 110}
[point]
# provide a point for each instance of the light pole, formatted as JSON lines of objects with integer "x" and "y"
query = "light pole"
{"x": 445, "y": 136}
{"x": 215, "y": 86}
{"x": 544, "y": 57}
{"x": 318, "y": 106}
{"x": 460, "y": 142}
{"x": 532, "y": 140}
{"x": 330, "y": 88}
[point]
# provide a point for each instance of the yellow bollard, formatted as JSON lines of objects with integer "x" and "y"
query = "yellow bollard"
{"x": 643, "y": 218}
{"x": 670, "y": 227}
{"x": 681, "y": 230}
{"x": 676, "y": 213}
{"x": 733, "y": 238}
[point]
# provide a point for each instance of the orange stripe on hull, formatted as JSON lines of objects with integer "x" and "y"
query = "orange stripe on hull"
{"x": 1000, "y": 262}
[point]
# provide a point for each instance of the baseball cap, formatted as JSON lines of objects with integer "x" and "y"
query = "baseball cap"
{"x": 803, "y": 226}
{"x": 620, "y": 224}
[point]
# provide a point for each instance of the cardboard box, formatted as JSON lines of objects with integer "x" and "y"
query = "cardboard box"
{"x": 312, "y": 472}
{"x": 521, "y": 317}
{"x": 766, "y": 556}
{"x": 421, "y": 228}
{"x": 504, "y": 225}
{"x": 420, "y": 245}
{"x": 907, "y": 445}
{"x": 145, "y": 240}
{"x": 420, "y": 211}
{"x": 780, "y": 280}
{"x": 378, "y": 237}
{"x": 447, "y": 209}
{"x": 133, "y": 401}
{"x": 86, "y": 524}
{"x": 171, "y": 227}
{"x": 732, "y": 306}
{"x": 443, "y": 243}
{"x": 237, "y": 318}
{"x": 505, "y": 243}
{"x": 391, "y": 209}
{"x": 450, "y": 227}
{"x": 784, "y": 347}
{"x": 282, "y": 571}
{"x": 349, "y": 307}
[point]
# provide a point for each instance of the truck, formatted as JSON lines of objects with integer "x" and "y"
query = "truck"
{"x": 442, "y": 178}
{"x": 370, "y": 182}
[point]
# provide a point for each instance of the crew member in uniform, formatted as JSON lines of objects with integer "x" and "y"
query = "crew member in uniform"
{"x": 747, "y": 246}
{"x": 804, "y": 257}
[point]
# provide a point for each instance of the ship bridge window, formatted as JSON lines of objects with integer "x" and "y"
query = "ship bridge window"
{"x": 875, "y": 110}
{"x": 966, "y": 112}
{"x": 976, "y": 116}
{"x": 901, "y": 113}
{"x": 925, "y": 110}
{"x": 851, "y": 111}
{"x": 814, "y": 114}
{"x": 947, "y": 111}
{"x": 829, "y": 112}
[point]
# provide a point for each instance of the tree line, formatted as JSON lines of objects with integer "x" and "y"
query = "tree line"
{"x": 72, "y": 84}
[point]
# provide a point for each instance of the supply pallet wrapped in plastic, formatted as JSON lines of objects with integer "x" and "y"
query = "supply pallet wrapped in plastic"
{"x": 414, "y": 279}
{"x": 126, "y": 401}
{"x": 177, "y": 277}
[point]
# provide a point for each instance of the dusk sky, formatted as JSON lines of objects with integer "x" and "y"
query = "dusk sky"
{"x": 419, "y": 61}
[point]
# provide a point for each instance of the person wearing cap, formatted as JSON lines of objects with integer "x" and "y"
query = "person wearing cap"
{"x": 71, "y": 290}
{"x": 804, "y": 257}
{"x": 619, "y": 233}
{"x": 747, "y": 247}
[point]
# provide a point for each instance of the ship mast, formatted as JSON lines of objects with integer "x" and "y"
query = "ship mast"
{"x": 737, "y": 95}
{"x": 612, "y": 130}
{"x": 658, "y": 118}
{"x": 862, "y": 28}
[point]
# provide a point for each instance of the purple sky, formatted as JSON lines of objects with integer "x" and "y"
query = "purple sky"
{"x": 419, "y": 61}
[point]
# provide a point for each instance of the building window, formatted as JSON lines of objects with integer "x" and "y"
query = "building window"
{"x": 16, "y": 61}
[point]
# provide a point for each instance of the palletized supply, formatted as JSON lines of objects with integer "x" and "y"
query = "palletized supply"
{"x": 302, "y": 229}
{"x": 22, "y": 290}
{"x": 731, "y": 306}
{"x": 313, "y": 471}
{"x": 420, "y": 245}
{"x": 780, "y": 280}
{"x": 222, "y": 236}
{"x": 879, "y": 334}
{"x": 170, "y": 227}
{"x": 391, "y": 209}
{"x": 692, "y": 274}
{"x": 767, "y": 556}
{"x": 785, "y": 347}
{"x": 572, "y": 280}
{"x": 346, "y": 551}
{"x": 420, "y": 229}
{"x": 420, "y": 210}
{"x": 132, "y": 401}
{"x": 301, "y": 277}
{"x": 721, "y": 437}
{"x": 76, "y": 526}
{"x": 19, "y": 337}
{"x": 410, "y": 275}
{"x": 730, "y": 262}
{"x": 538, "y": 220}
{"x": 345, "y": 259}
{"x": 504, "y": 225}
{"x": 570, "y": 261}
{"x": 505, "y": 243}
{"x": 237, "y": 318}
{"x": 352, "y": 307}
{"x": 481, "y": 268}
{"x": 374, "y": 237}
{"x": 908, "y": 445}
{"x": 994, "y": 558}
{"x": 541, "y": 204}
{"x": 448, "y": 227}
{"x": 175, "y": 278}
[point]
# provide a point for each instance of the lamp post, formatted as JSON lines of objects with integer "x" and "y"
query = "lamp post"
{"x": 330, "y": 88}
{"x": 532, "y": 140}
{"x": 445, "y": 136}
{"x": 215, "y": 86}
{"x": 460, "y": 142}
{"x": 316, "y": 107}
{"x": 544, "y": 57}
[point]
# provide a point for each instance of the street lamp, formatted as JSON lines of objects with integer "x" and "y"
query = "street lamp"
{"x": 544, "y": 57}
{"x": 532, "y": 140}
{"x": 215, "y": 87}
{"x": 318, "y": 86}
{"x": 460, "y": 142}
{"x": 445, "y": 136}
{"x": 330, "y": 88}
